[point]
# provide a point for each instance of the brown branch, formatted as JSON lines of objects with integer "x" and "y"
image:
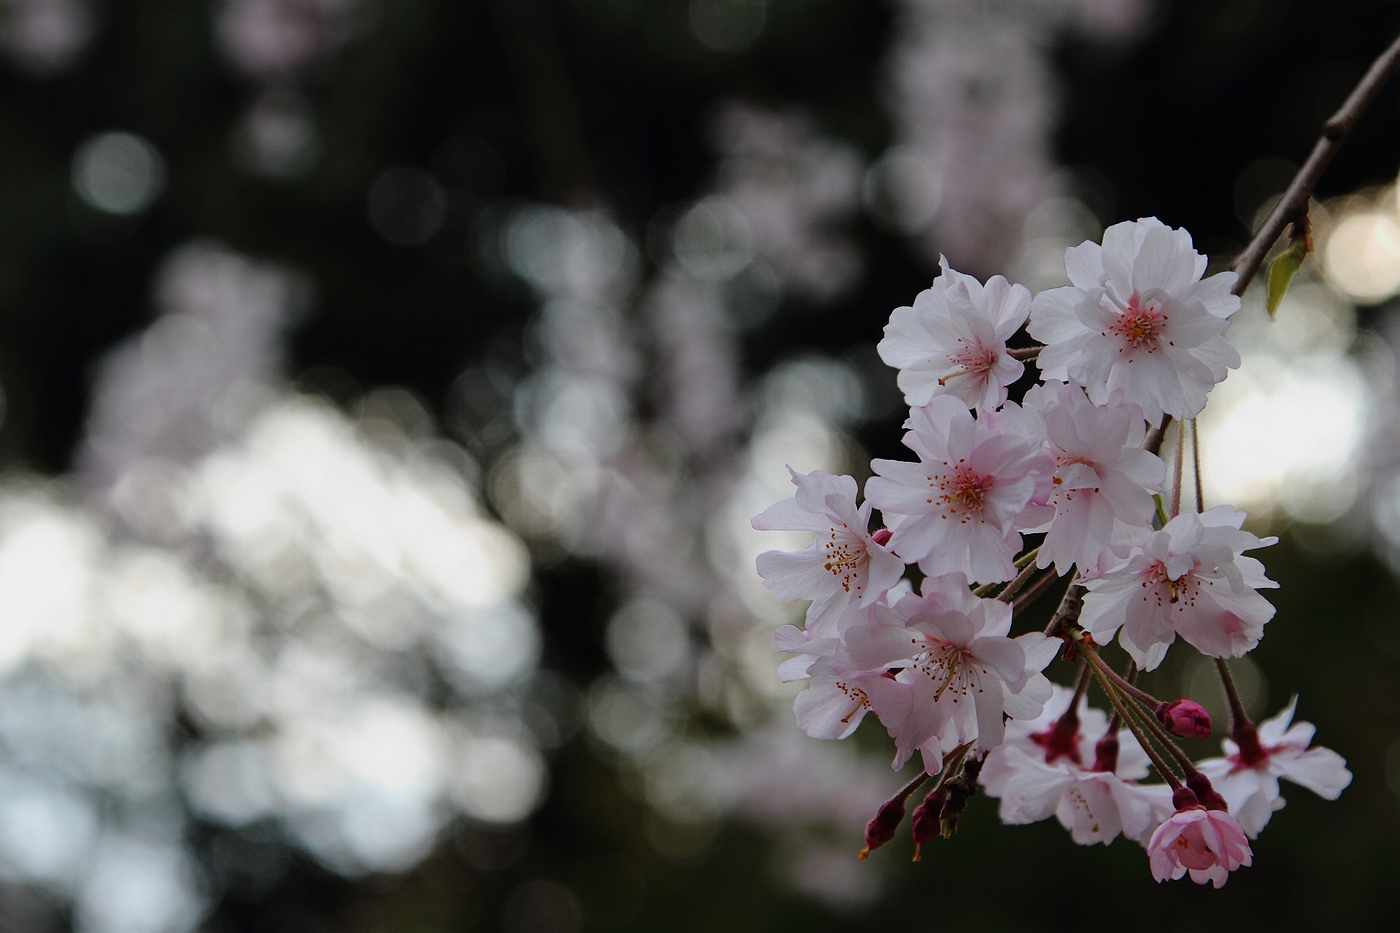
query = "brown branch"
{"x": 1067, "y": 613}
{"x": 1294, "y": 203}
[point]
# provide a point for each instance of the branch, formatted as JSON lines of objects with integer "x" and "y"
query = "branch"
{"x": 1294, "y": 203}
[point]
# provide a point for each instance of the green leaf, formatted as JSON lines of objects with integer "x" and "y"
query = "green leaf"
{"x": 1281, "y": 272}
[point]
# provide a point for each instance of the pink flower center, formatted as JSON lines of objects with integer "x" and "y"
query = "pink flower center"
{"x": 1180, "y": 592}
{"x": 845, "y": 559}
{"x": 860, "y": 700}
{"x": 1140, "y": 325}
{"x": 1058, "y": 743}
{"x": 974, "y": 358}
{"x": 943, "y": 663}
{"x": 964, "y": 492}
{"x": 1191, "y": 850}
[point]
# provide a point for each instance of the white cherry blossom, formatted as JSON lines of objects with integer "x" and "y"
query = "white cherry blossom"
{"x": 845, "y": 567}
{"x": 953, "y": 340}
{"x": 952, "y": 648}
{"x": 1103, "y": 480}
{"x": 1189, "y": 579}
{"x": 958, "y": 508}
{"x": 1035, "y": 780}
{"x": 1251, "y": 786}
{"x": 1138, "y": 318}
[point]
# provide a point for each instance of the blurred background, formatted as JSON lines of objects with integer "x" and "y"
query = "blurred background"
{"x": 388, "y": 384}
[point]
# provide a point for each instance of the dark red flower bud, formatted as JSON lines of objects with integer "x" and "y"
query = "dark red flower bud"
{"x": 1185, "y": 718}
{"x": 881, "y": 829}
{"x": 925, "y": 821}
{"x": 882, "y": 537}
{"x": 1106, "y": 753}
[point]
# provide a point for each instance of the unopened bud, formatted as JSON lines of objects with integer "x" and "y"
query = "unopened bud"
{"x": 882, "y": 537}
{"x": 925, "y": 821}
{"x": 1185, "y": 718}
{"x": 881, "y": 829}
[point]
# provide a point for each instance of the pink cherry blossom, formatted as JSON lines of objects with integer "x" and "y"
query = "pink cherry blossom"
{"x": 1208, "y": 843}
{"x": 1188, "y": 579}
{"x": 958, "y": 508}
{"x": 845, "y": 567}
{"x": 839, "y": 696}
{"x": 1103, "y": 480}
{"x": 953, "y": 340}
{"x": 1138, "y": 318}
{"x": 966, "y": 674}
{"x": 1251, "y": 786}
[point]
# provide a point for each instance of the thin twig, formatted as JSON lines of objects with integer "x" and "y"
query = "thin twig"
{"x": 1294, "y": 203}
{"x": 1015, "y": 585}
{"x": 1177, "y": 478}
{"x": 1196, "y": 456}
{"x": 1034, "y": 592}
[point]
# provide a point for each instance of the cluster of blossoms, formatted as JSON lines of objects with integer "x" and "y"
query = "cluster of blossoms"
{"x": 1135, "y": 341}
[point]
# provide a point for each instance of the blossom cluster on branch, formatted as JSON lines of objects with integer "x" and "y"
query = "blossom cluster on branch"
{"x": 912, "y": 614}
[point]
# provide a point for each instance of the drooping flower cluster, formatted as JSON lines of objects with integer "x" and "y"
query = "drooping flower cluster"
{"x": 912, "y": 614}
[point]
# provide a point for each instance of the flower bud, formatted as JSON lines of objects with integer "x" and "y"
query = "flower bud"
{"x": 925, "y": 821}
{"x": 881, "y": 829}
{"x": 1185, "y": 718}
{"x": 1106, "y": 753}
{"x": 882, "y": 537}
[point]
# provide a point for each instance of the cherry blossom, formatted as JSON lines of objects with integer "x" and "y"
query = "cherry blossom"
{"x": 1035, "y": 778}
{"x": 1103, "y": 480}
{"x": 846, "y": 566}
{"x": 1189, "y": 579}
{"x": 1137, "y": 335}
{"x": 953, "y": 340}
{"x": 1138, "y": 318}
{"x": 840, "y": 696}
{"x": 1208, "y": 843}
{"x": 958, "y": 508}
{"x": 1249, "y": 781}
{"x": 952, "y": 648}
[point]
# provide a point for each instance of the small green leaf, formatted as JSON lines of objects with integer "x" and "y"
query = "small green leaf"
{"x": 1281, "y": 272}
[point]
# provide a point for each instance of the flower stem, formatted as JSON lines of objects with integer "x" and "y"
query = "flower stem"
{"x": 1232, "y": 694}
{"x": 1196, "y": 456}
{"x": 1033, "y": 592}
{"x": 1108, "y": 687}
{"x": 1015, "y": 585}
{"x": 1127, "y": 686}
{"x": 1024, "y": 353}
{"x": 1022, "y": 563}
{"x": 1177, "y": 477}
